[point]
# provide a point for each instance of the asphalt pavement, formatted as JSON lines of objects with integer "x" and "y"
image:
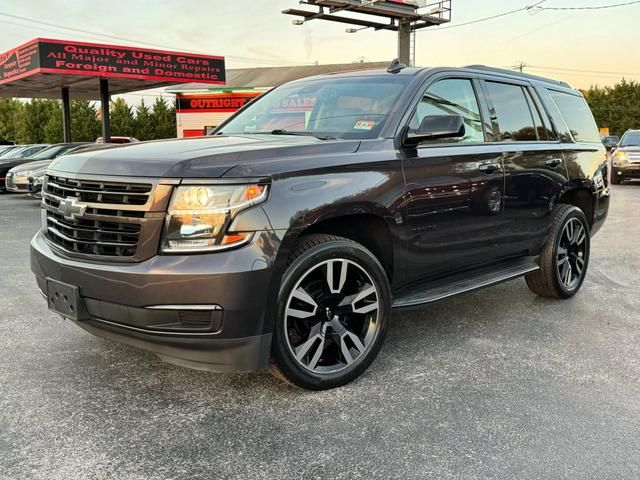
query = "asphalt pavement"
{"x": 494, "y": 384}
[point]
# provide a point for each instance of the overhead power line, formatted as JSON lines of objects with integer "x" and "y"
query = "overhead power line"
{"x": 563, "y": 69}
{"x": 533, "y": 9}
{"x": 597, "y": 7}
{"x": 94, "y": 34}
{"x": 486, "y": 19}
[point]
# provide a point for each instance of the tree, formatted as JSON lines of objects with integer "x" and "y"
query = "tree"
{"x": 163, "y": 117}
{"x": 85, "y": 126}
{"x": 122, "y": 120}
{"x": 144, "y": 123}
{"x": 10, "y": 114}
{"x": 34, "y": 118}
{"x": 616, "y": 107}
{"x": 53, "y": 127}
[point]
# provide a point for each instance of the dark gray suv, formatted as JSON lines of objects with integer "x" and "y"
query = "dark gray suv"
{"x": 285, "y": 239}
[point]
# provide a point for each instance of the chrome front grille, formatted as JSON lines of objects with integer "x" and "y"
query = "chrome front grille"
{"x": 92, "y": 237}
{"x": 634, "y": 157}
{"x": 100, "y": 191}
{"x": 104, "y": 217}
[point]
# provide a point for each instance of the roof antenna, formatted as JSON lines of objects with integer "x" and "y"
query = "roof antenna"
{"x": 396, "y": 66}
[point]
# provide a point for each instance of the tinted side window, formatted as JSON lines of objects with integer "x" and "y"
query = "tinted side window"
{"x": 454, "y": 96}
{"x": 577, "y": 116}
{"x": 543, "y": 133}
{"x": 512, "y": 112}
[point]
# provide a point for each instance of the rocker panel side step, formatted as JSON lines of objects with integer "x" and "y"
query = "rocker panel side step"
{"x": 466, "y": 282}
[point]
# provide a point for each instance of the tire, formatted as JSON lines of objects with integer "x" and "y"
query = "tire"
{"x": 334, "y": 306}
{"x": 616, "y": 180}
{"x": 565, "y": 258}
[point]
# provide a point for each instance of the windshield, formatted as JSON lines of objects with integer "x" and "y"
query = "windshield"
{"x": 346, "y": 108}
{"x": 15, "y": 153}
{"x": 630, "y": 139}
{"x": 23, "y": 152}
{"x": 6, "y": 151}
{"x": 52, "y": 152}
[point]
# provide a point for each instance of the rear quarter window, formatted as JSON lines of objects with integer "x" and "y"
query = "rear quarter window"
{"x": 577, "y": 116}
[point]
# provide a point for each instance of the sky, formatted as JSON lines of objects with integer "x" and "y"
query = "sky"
{"x": 581, "y": 47}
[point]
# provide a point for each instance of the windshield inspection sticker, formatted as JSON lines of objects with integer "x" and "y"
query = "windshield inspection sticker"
{"x": 364, "y": 125}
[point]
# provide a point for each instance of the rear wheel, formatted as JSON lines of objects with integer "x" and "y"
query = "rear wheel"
{"x": 565, "y": 258}
{"x": 334, "y": 307}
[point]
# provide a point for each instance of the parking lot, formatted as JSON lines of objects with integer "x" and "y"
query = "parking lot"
{"x": 494, "y": 384}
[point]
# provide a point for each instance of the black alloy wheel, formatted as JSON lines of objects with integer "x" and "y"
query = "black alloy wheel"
{"x": 565, "y": 258}
{"x": 334, "y": 307}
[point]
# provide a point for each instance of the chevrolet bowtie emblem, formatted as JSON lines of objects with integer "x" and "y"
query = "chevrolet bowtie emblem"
{"x": 70, "y": 208}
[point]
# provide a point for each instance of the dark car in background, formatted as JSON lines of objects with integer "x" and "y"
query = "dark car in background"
{"x": 14, "y": 157}
{"x": 17, "y": 178}
{"x": 625, "y": 161}
{"x": 285, "y": 239}
{"x": 610, "y": 142}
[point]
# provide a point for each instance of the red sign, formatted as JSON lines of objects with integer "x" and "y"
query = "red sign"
{"x": 214, "y": 103}
{"x": 79, "y": 58}
{"x": 19, "y": 62}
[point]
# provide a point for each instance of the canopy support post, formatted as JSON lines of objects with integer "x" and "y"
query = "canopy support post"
{"x": 104, "y": 100}
{"x": 66, "y": 115}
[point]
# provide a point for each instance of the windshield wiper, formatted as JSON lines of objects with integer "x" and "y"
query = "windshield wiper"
{"x": 281, "y": 131}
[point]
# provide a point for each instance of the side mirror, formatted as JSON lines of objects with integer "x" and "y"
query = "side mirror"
{"x": 435, "y": 127}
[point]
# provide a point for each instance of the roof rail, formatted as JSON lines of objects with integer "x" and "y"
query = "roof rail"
{"x": 513, "y": 73}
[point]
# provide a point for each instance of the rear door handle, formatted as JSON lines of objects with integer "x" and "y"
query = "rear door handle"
{"x": 554, "y": 162}
{"x": 489, "y": 169}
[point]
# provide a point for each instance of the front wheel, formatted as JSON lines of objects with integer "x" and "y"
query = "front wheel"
{"x": 333, "y": 310}
{"x": 565, "y": 258}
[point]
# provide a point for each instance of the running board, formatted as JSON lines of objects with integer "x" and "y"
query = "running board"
{"x": 467, "y": 282}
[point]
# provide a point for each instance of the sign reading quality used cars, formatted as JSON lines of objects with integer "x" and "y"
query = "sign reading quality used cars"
{"x": 79, "y": 58}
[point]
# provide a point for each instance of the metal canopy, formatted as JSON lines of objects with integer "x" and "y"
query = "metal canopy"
{"x": 47, "y": 85}
{"x": 42, "y": 67}
{"x": 47, "y": 68}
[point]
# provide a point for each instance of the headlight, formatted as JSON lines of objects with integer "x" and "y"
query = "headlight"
{"x": 620, "y": 158}
{"x": 200, "y": 215}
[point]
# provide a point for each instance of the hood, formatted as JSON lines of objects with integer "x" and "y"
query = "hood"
{"x": 31, "y": 166}
{"x": 204, "y": 157}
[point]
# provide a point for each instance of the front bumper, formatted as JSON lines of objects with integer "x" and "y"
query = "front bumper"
{"x": 136, "y": 303}
{"x": 626, "y": 171}
{"x": 16, "y": 184}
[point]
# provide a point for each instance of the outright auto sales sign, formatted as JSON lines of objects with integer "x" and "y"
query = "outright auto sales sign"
{"x": 214, "y": 103}
{"x": 78, "y": 58}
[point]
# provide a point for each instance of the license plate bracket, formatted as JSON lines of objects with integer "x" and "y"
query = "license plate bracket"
{"x": 65, "y": 300}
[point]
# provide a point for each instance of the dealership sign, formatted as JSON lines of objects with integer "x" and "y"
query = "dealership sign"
{"x": 78, "y": 58}
{"x": 214, "y": 103}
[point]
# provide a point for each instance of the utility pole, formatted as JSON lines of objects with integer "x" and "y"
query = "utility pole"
{"x": 404, "y": 42}
{"x": 520, "y": 66}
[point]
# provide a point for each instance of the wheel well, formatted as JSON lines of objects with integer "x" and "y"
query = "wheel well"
{"x": 370, "y": 231}
{"x": 581, "y": 198}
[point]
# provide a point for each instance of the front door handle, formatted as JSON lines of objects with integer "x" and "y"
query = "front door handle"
{"x": 554, "y": 162}
{"x": 489, "y": 168}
